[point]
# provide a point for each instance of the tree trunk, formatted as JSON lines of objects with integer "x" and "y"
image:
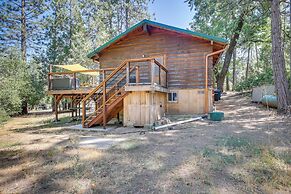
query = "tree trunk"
{"x": 233, "y": 69}
{"x": 126, "y": 14}
{"x": 71, "y": 25}
{"x": 257, "y": 57}
{"x": 228, "y": 54}
{"x": 23, "y": 30}
{"x": 248, "y": 63}
{"x": 290, "y": 36}
{"x": 227, "y": 83}
{"x": 24, "y": 107}
{"x": 278, "y": 60}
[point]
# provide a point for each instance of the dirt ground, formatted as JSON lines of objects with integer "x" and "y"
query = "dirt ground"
{"x": 247, "y": 152}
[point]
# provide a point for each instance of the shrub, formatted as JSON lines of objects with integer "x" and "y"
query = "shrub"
{"x": 258, "y": 79}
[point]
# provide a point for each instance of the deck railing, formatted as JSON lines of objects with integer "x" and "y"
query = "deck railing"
{"x": 74, "y": 75}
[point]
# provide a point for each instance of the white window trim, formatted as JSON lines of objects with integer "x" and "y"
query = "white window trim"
{"x": 172, "y": 97}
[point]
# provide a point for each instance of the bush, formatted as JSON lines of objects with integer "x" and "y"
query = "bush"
{"x": 259, "y": 79}
{"x": 3, "y": 116}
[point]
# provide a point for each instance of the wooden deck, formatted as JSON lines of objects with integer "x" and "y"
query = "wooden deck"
{"x": 70, "y": 92}
{"x": 146, "y": 88}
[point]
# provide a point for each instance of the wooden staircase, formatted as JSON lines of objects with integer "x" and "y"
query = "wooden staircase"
{"x": 108, "y": 96}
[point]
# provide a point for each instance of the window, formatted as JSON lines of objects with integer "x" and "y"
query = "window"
{"x": 172, "y": 97}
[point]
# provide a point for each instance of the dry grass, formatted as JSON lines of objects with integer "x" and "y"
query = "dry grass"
{"x": 255, "y": 165}
{"x": 246, "y": 153}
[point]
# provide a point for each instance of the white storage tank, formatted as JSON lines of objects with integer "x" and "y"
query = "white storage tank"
{"x": 259, "y": 92}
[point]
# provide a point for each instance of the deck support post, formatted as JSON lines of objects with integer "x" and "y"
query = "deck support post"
{"x": 79, "y": 105}
{"x": 72, "y": 106}
{"x": 83, "y": 113}
{"x": 104, "y": 105}
{"x": 56, "y": 107}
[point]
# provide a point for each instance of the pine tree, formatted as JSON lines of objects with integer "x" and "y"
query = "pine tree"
{"x": 76, "y": 27}
{"x": 21, "y": 25}
{"x": 21, "y": 29}
{"x": 278, "y": 59}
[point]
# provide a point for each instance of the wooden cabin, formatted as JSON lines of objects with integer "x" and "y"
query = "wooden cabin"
{"x": 150, "y": 70}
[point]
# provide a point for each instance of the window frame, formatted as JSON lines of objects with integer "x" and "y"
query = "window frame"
{"x": 172, "y": 97}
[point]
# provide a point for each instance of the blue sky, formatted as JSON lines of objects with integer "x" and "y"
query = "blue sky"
{"x": 172, "y": 12}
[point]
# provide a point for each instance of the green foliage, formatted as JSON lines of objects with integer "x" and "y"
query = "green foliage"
{"x": 76, "y": 27}
{"x": 3, "y": 115}
{"x": 19, "y": 82}
{"x": 56, "y": 32}
{"x": 254, "y": 80}
{"x": 13, "y": 83}
{"x": 11, "y": 25}
{"x": 221, "y": 17}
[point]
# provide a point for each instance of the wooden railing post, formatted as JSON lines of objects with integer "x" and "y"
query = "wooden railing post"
{"x": 137, "y": 75}
{"x": 159, "y": 75}
{"x": 166, "y": 79}
{"x": 75, "y": 81}
{"x": 127, "y": 73}
{"x": 152, "y": 72}
{"x": 104, "y": 74}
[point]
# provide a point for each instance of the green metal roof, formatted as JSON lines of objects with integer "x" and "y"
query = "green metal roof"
{"x": 159, "y": 25}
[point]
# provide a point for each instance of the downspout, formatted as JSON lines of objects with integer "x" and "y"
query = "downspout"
{"x": 206, "y": 104}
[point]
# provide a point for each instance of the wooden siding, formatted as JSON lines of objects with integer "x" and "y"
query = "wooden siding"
{"x": 143, "y": 108}
{"x": 184, "y": 56}
{"x": 189, "y": 102}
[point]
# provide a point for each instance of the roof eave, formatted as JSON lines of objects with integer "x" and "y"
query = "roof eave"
{"x": 162, "y": 26}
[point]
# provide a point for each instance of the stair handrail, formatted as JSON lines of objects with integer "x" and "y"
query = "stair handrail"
{"x": 122, "y": 78}
{"x": 122, "y": 65}
{"x": 113, "y": 73}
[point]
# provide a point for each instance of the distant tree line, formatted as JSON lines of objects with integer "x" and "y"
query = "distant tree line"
{"x": 36, "y": 33}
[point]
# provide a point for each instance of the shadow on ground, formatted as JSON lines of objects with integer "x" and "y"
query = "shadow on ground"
{"x": 247, "y": 152}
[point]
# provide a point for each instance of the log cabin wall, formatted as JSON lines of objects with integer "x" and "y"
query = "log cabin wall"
{"x": 184, "y": 55}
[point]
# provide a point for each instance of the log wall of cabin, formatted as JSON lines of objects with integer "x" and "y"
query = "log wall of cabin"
{"x": 184, "y": 56}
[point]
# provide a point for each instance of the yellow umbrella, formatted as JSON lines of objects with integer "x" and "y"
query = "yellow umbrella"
{"x": 77, "y": 67}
